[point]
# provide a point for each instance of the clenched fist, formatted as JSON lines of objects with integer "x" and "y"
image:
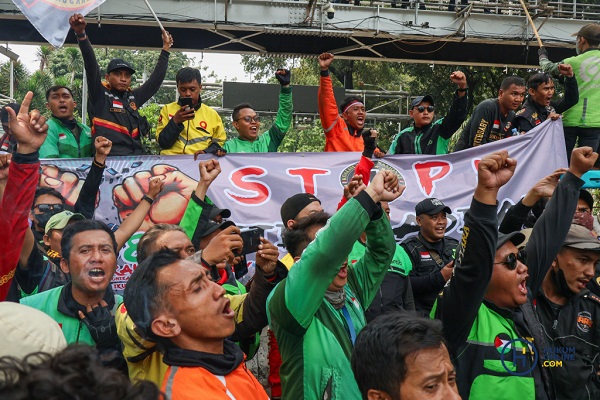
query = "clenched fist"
{"x": 168, "y": 206}
{"x": 65, "y": 182}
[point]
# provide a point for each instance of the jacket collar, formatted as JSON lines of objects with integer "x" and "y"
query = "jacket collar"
{"x": 68, "y": 306}
{"x": 216, "y": 364}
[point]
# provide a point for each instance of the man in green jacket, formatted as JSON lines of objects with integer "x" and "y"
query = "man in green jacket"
{"x": 496, "y": 341}
{"x": 84, "y": 307}
{"x": 317, "y": 311}
{"x": 247, "y": 124}
{"x": 582, "y": 121}
{"x": 67, "y": 138}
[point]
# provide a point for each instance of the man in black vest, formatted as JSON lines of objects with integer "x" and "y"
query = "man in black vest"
{"x": 539, "y": 105}
{"x": 431, "y": 253}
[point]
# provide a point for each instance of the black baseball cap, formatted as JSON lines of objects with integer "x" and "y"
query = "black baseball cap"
{"x": 431, "y": 206}
{"x": 419, "y": 99}
{"x": 213, "y": 226}
{"x": 515, "y": 237}
{"x": 292, "y": 206}
{"x": 223, "y": 212}
{"x": 119, "y": 63}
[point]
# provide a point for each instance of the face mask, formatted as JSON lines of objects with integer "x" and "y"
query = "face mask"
{"x": 558, "y": 277}
{"x": 42, "y": 219}
{"x": 584, "y": 219}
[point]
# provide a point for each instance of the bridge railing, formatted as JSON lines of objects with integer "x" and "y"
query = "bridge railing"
{"x": 570, "y": 9}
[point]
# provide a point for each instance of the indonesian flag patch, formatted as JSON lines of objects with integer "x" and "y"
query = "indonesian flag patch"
{"x": 425, "y": 255}
{"x": 61, "y": 136}
{"x": 117, "y": 104}
{"x": 496, "y": 124}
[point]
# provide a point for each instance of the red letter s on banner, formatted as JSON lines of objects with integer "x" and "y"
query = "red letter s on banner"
{"x": 257, "y": 193}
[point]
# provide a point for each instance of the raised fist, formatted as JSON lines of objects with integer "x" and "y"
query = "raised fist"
{"x": 325, "y": 60}
{"x": 65, "y": 182}
{"x": 78, "y": 23}
{"x": 169, "y": 205}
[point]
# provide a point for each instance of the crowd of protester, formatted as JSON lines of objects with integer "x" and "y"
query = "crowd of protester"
{"x": 350, "y": 313}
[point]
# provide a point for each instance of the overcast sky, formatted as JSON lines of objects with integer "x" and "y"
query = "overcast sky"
{"x": 226, "y": 66}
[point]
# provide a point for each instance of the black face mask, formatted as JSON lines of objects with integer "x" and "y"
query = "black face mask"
{"x": 43, "y": 218}
{"x": 558, "y": 277}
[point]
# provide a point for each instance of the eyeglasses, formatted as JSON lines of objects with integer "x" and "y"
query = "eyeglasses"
{"x": 44, "y": 208}
{"x": 249, "y": 119}
{"x": 423, "y": 108}
{"x": 511, "y": 259}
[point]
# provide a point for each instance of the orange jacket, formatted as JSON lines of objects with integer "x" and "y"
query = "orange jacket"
{"x": 192, "y": 383}
{"x": 337, "y": 135}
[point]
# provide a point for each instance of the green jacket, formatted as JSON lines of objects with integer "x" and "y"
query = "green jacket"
{"x": 49, "y": 302}
{"x": 314, "y": 338}
{"x": 271, "y": 139}
{"x": 61, "y": 143}
{"x": 586, "y": 113}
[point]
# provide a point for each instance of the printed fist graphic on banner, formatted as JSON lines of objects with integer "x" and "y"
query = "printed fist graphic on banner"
{"x": 168, "y": 207}
{"x": 65, "y": 182}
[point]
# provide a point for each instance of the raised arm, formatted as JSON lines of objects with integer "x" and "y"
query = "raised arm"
{"x": 458, "y": 109}
{"x": 547, "y": 65}
{"x": 308, "y": 280}
{"x": 459, "y": 302}
{"x": 328, "y": 110}
{"x": 149, "y": 88}
{"x": 92, "y": 69}
{"x": 571, "y": 96}
{"x": 86, "y": 200}
{"x": 134, "y": 220}
{"x": 283, "y": 120}
{"x": 29, "y": 130}
{"x": 551, "y": 229}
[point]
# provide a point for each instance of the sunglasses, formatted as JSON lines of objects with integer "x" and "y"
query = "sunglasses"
{"x": 511, "y": 260}
{"x": 249, "y": 119}
{"x": 44, "y": 208}
{"x": 423, "y": 108}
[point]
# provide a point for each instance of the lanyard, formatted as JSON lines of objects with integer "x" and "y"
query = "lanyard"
{"x": 351, "y": 329}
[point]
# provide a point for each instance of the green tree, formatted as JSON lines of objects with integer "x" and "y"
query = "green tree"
{"x": 151, "y": 112}
{"x": 43, "y": 54}
{"x": 20, "y": 78}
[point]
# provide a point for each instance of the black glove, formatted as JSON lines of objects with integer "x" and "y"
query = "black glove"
{"x": 101, "y": 324}
{"x": 214, "y": 148}
{"x": 285, "y": 78}
{"x": 542, "y": 53}
{"x": 369, "y": 143}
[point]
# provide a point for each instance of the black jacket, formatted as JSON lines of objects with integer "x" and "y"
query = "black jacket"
{"x": 115, "y": 115}
{"x": 425, "y": 277}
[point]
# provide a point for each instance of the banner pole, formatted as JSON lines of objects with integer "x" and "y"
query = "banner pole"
{"x": 535, "y": 31}
{"x": 158, "y": 21}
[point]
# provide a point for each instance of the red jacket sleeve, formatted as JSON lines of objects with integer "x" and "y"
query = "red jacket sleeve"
{"x": 14, "y": 210}
{"x": 363, "y": 168}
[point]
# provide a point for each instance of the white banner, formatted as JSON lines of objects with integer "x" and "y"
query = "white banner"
{"x": 253, "y": 186}
{"x": 51, "y": 17}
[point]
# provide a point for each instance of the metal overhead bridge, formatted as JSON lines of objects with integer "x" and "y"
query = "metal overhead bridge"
{"x": 481, "y": 33}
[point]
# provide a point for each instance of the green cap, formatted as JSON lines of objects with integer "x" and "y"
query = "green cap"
{"x": 60, "y": 220}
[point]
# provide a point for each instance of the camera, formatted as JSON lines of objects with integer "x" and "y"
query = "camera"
{"x": 251, "y": 238}
{"x": 330, "y": 11}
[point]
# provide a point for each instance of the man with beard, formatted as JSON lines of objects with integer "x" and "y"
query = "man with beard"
{"x": 569, "y": 313}
{"x": 492, "y": 119}
{"x": 539, "y": 105}
{"x": 67, "y": 138}
{"x": 487, "y": 306}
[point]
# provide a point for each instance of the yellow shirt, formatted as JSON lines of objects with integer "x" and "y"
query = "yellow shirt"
{"x": 193, "y": 135}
